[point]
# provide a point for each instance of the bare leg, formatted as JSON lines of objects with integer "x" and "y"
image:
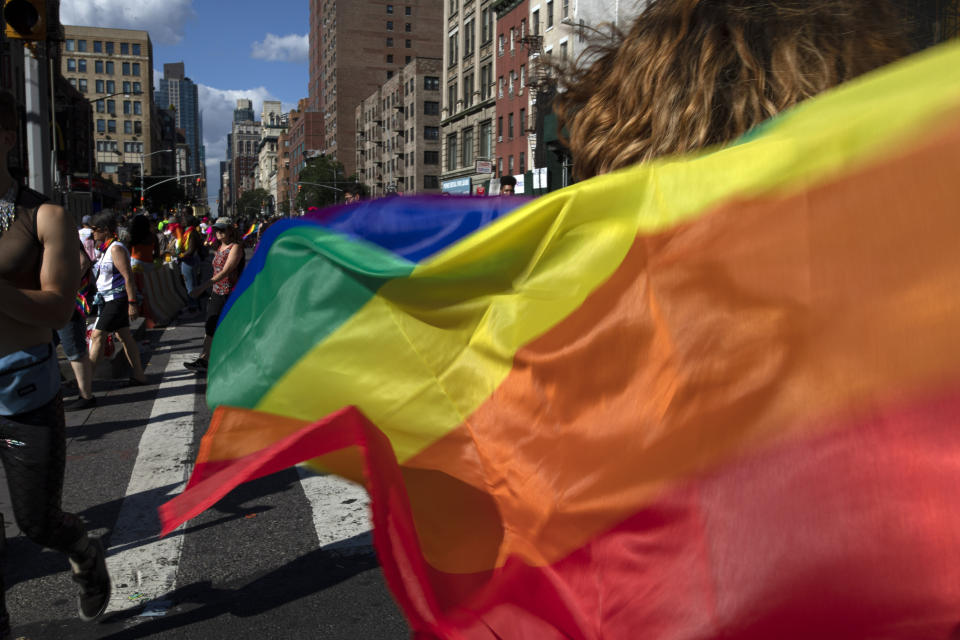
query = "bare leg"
{"x": 133, "y": 353}
{"x": 83, "y": 371}
{"x": 205, "y": 353}
{"x": 96, "y": 346}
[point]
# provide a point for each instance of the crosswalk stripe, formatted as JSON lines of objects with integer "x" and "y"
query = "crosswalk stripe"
{"x": 341, "y": 512}
{"x": 144, "y": 568}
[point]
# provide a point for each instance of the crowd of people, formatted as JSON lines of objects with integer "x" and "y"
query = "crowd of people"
{"x": 688, "y": 74}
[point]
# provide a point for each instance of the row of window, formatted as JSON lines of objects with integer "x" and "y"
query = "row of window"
{"x": 129, "y": 108}
{"x": 110, "y": 126}
{"x": 469, "y": 37}
{"x": 104, "y": 67}
{"x": 408, "y": 27}
{"x": 407, "y": 11}
{"x": 486, "y": 78}
{"x": 390, "y": 60}
{"x": 100, "y": 46}
{"x": 460, "y": 146}
{"x": 407, "y": 44}
{"x": 521, "y": 165}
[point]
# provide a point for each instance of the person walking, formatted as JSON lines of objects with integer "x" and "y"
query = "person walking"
{"x": 227, "y": 264}
{"x": 39, "y": 276}
{"x": 73, "y": 339}
{"x": 115, "y": 287}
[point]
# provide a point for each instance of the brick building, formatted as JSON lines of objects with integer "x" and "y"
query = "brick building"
{"x": 512, "y": 101}
{"x": 304, "y": 139}
{"x": 354, "y": 48}
{"x": 398, "y": 131}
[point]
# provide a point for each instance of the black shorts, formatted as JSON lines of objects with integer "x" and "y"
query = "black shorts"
{"x": 214, "y": 307}
{"x": 113, "y": 316}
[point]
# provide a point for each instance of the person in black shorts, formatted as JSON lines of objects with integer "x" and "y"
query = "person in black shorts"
{"x": 227, "y": 265}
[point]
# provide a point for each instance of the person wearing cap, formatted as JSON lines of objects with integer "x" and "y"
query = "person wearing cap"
{"x": 227, "y": 264}
{"x": 86, "y": 238}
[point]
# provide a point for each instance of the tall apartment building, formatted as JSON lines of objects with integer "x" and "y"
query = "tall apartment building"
{"x": 113, "y": 69}
{"x": 179, "y": 92}
{"x": 273, "y": 122}
{"x": 356, "y": 46}
{"x": 469, "y": 105}
{"x": 244, "y": 141}
{"x": 398, "y": 131}
{"x": 305, "y": 138}
{"x": 512, "y": 147}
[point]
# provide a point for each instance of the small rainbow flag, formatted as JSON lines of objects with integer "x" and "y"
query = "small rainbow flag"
{"x": 702, "y": 397}
{"x": 252, "y": 230}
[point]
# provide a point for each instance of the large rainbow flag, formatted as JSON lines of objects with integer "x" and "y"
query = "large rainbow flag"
{"x": 709, "y": 396}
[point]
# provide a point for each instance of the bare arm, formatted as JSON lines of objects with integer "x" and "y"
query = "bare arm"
{"x": 52, "y": 305}
{"x": 233, "y": 261}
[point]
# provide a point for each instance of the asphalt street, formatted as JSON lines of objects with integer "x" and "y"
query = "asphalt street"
{"x": 287, "y": 556}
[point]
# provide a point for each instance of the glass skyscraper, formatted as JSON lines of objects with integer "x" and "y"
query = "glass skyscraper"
{"x": 181, "y": 93}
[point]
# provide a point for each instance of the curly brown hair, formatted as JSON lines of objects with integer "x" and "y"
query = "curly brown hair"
{"x": 694, "y": 73}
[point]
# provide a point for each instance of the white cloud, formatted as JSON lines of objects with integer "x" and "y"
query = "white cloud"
{"x": 290, "y": 48}
{"x": 164, "y": 19}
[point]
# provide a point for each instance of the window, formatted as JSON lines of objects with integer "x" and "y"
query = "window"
{"x": 389, "y": 25}
{"x": 109, "y": 48}
{"x": 453, "y": 7}
{"x": 127, "y": 108}
{"x": 431, "y": 133}
{"x": 486, "y": 139}
{"x": 523, "y": 120}
{"x": 128, "y": 126}
{"x": 451, "y": 152}
{"x": 500, "y": 87}
{"x": 407, "y": 44}
{"x": 81, "y": 45}
{"x": 389, "y": 8}
{"x": 500, "y": 128}
{"x": 510, "y": 126}
{"x": 101, "y": 125}
{"x": 126, "y": 87}
{"x": 486, "y": 80}
{"x": 451, "y": 98}
{"x": 468, "y": 91}
{"x": 536, "y": 22}
{"x": 136, "y": 49}
{"x": 136, "y": 68}
{"x": 510, "y": 165}
{"x": 563, "y": 50}
{"x": 389, "y": 58}
{"x": 83, "y": 85}
{"x": 137, "y": 127}
{"x": 469, "y": 37}
{"x": 499, "y": 166}
{"x": 523, "y": 28}
{"x": 109, "y": 67}
{"x": 431, "y": 182}
{"x": 389, "y": 74}
{"x": 467, "y": 147}
{"x": 407, "y": 11}
{"x": 112, "y": 107}
{"x": 431, "y": 157}
{"x": 71, "y": 64}
{"x": 136, "y": 87}
{"x": 564, "y": 9}
{"x": 73, "y": 82}
{"x": 124, "y": 48}
{"x": 512, "y": 38}
{"x": 137, "y": 108}
{"x": 523, "y": 76}
{"x": 513, "y": 75}
{"x": 431, "y": 108}
{"x": 453, "y": 47}
{"x": 100, "y": 106}
{"x": 523, "y": 162}
{"x": 407, "y": 59}
{"x": 389, "y": 42}
{"x": 549, "y": 14}
{"x": 98, "y": 46}
{"x": 98, "y": 66}
{"x": 431, "y": 83}
{"x": 111, "y": 126}
{"x": 111, "y": 86}
{"x": 82, "y": 65}
{"x": 500, "y": 45}
{"x": 70, "y": 45}
{"x": 486, "y": 33}
{"x": 408, "y": 27}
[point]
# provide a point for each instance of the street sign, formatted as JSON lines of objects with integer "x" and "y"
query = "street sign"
{"x": 484, "y": 166}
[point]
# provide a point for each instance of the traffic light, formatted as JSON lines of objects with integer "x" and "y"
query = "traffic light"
{"x": 25, "y": 19}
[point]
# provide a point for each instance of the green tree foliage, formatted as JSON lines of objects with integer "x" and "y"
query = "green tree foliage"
{"x": 250, "y": 202}
{"x": 328, "y": 182}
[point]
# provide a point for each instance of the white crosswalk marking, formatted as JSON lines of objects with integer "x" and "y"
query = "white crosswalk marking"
{"x": 143, "y": 567}
{"x": 341, "y": 511}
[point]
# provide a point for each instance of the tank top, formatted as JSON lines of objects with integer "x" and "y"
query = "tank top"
{"x": 110, "y": 284}
{"x": 223, "y": 287}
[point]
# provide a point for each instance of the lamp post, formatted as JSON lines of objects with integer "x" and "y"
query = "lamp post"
{"x": 142, "y": 157}
{"x": 90, "y": 162}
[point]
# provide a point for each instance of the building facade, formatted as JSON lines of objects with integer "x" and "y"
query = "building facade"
{"x": 273, "y": 122}
{"x": 469, "y": 98}
{"x": 178, "y": 92}
{"x": 113, "y": 69}
{"x": 244, "y": 155}
{"x": 354, "y": 48}
{"x": 305, "y": 135}
{"x": 513, "y": 100}
{"x": 398, "y": 132}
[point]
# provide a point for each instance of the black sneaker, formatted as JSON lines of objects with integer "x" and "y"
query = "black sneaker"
{"x": 78, "y": 405}
{"x": 197, "y": 365}
{"x": 91, "y": 574}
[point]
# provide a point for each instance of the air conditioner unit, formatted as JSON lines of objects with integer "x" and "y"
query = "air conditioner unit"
{"x": 499, "y": 138}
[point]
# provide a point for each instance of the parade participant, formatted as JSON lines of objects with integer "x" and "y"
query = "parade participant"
{"x": 691, "y": 73}
{"x": 227, "y": 265}
{"x": 39, "y": 276}
{"x": 351, "y": 194}
{"x": 508, "y": 185}
{"x": 188, "y": 247}
{"x": 73, "y": 339}
{"x": 115, "y": 287}
{"x": 86, "y": 238}
{"x": 143, "y": 244}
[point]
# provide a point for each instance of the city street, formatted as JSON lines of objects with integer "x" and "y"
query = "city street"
{"x": 288, "y": 556}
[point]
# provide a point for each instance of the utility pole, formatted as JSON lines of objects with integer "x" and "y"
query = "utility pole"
{"x": 37, "y": 113}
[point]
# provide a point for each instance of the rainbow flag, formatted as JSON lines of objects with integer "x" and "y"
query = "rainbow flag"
{"x": 708, "y": 396}
{"x": 252, "y": 230}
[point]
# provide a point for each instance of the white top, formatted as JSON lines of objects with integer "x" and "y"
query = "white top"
{"x": 110, "y": 284}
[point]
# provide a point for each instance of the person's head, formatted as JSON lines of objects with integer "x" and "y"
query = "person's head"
{"x": 140, "y": 230}
{"x": 85, "y": 221}
{"x": 104, "y": 226}
{"x": 508, "y": 185}
{"x": 225, "y": 231}
{"x": 351, "y": 193}
{"x": 694, "y": 73}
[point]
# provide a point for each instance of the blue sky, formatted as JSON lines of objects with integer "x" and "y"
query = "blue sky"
{"x": 231, "y": 50}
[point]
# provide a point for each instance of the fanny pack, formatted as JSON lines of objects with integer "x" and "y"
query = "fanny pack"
{"x": 28, "y": 379}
